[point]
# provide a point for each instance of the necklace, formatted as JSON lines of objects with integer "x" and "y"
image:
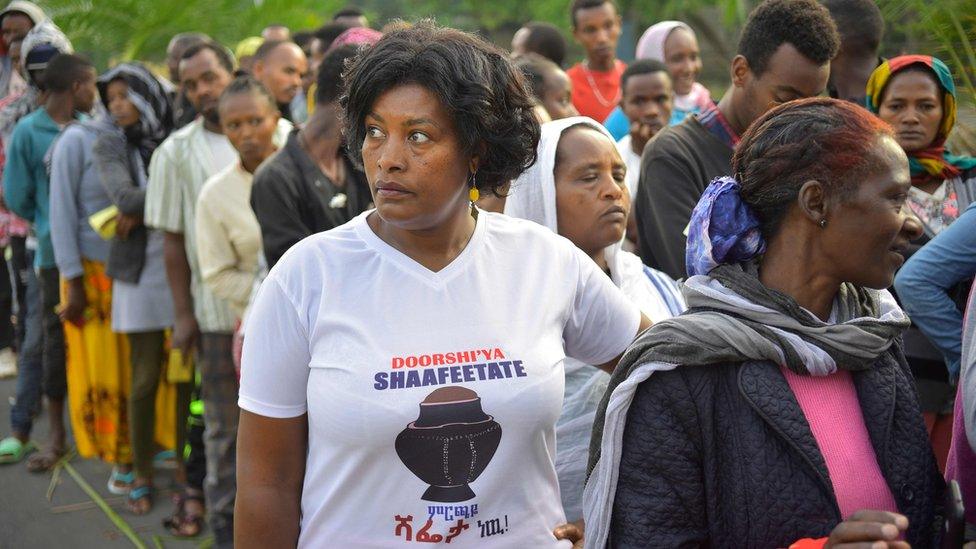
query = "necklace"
{"x": 596, "y": 91}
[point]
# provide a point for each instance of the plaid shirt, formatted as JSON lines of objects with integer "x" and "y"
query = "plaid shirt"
{"x": 713, "y": 121}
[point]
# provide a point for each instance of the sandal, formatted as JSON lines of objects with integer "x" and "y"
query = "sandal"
{"x": 12, "y": 450}
{"x": 139, "y": 500}
{"x": 184, "y": 523}
{"x": 45, "y": 460}
{"x": 120, "y": 483}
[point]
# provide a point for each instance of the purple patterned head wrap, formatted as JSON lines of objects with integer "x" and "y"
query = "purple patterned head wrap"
{"x": 723, "y": 229}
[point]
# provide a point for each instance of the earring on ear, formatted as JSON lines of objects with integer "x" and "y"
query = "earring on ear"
{"x": 823, "y": 223}
{"x": 473, "y": 194}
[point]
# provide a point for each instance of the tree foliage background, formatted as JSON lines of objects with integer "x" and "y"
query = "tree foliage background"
{"x": 115, "y": 30}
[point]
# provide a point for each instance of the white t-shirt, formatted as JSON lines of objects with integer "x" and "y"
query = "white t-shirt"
{"x": 221, "y": 150}
{"x": 431, "y": 397}
{"x": 633, "y": 162}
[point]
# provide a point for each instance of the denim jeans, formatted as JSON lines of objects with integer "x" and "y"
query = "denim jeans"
{"x": 30, "y": 369}
{"x": 41, "y": 364}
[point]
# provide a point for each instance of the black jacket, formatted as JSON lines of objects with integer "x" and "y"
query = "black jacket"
{"x": 291, "y": 198}
{"x": 722, "y": 456}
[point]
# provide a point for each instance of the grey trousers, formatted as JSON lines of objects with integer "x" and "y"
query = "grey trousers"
{"x": 218, "y": 386}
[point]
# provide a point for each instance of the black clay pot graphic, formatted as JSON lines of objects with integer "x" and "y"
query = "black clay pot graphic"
{"x": 450, "y": 443}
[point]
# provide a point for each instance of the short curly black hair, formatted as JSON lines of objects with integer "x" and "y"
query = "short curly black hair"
{"x": 484, "y": 93}
{"x": 328, "y": 79}
{"x": 642, "y": 66}
{"x": 224, "y": 57}
{"x": 546, "y": 40}
{"x": 803, "y": 23}
{"x": 579, "y": 5}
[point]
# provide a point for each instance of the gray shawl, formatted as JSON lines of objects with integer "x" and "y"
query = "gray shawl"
{"x": 732, "y": 317}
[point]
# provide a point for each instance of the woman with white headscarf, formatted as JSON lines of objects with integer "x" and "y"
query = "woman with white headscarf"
{"x": 577, "y": 189}
{"x": 673, "y": 43}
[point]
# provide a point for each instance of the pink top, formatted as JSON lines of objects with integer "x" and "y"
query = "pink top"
{"x": 833, "y": 411}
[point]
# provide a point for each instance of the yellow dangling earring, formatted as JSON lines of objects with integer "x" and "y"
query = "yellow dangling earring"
{"x": 473, "y": 194}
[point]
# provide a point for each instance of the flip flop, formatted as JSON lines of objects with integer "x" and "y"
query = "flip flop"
{"x": 124, "y": 478}
{"x": 135, "y": 495}
{"x": 12, "y": 450}
{"x": 183, "y": 523}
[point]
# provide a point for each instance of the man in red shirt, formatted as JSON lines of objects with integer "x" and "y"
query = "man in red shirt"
{"x": 596, "y": 81}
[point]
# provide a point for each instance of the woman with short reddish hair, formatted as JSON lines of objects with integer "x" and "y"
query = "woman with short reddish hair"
{"x": 780, "y": 407}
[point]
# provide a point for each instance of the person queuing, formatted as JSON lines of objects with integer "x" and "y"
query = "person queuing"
{"x": 424, "y": 114}
{"x": 12, "y": 233}
{"x": 541, "y": 38}
{"x": 280, "y": 67}
{"x": 16, "y": 20}
{"x": 947, "y": 260}
{"x": 577, "y": 188}
{"x": 229, "y": 241}
{"x": 596, "y": 79}
{"x": 310, "y": 186}
{"x": 322, "y": 40}
{"x": 99, "y": 363}
{"x": 276, "y": 32}
{"x": 916, "y": 95}
{"x": 43, "y": 42}
{"x": 299, "y": 105}
{"x": 27, "y": 194}
{"x": 244, "y": 52}
{"x": 141, "y": 117}
{"x": 783, "y": 54}
{"x": 673, "y": 43}
{"x": 646, "y": 100}
{"x": 861, "y": 28}
{"x": 350, "y": 16}
{"x": 931, "y": 284}
{"x": 203, "y": 322}
{"x": 183, "y": 111}
{"x": 549, "y": 84}
{"x": 787, "y": 381}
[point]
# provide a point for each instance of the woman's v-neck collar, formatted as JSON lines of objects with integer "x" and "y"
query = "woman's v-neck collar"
{"x": 403, "y": 261}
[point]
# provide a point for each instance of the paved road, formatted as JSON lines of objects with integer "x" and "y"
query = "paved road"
{"x": 70, "y": 519}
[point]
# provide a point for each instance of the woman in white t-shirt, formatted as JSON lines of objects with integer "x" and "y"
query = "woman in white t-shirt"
{"x": 403, "y": 373}
{"x": 577, "y": 188}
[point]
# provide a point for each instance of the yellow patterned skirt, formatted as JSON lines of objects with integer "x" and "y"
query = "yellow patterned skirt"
{"x": 99, "y": 371}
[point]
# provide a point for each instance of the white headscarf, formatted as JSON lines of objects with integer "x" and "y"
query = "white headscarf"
{"x": 651, "y": 46}
{"x": 533, "y": 197}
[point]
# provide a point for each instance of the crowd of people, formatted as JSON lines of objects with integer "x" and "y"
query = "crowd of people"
{"x": 376, "y": 287}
